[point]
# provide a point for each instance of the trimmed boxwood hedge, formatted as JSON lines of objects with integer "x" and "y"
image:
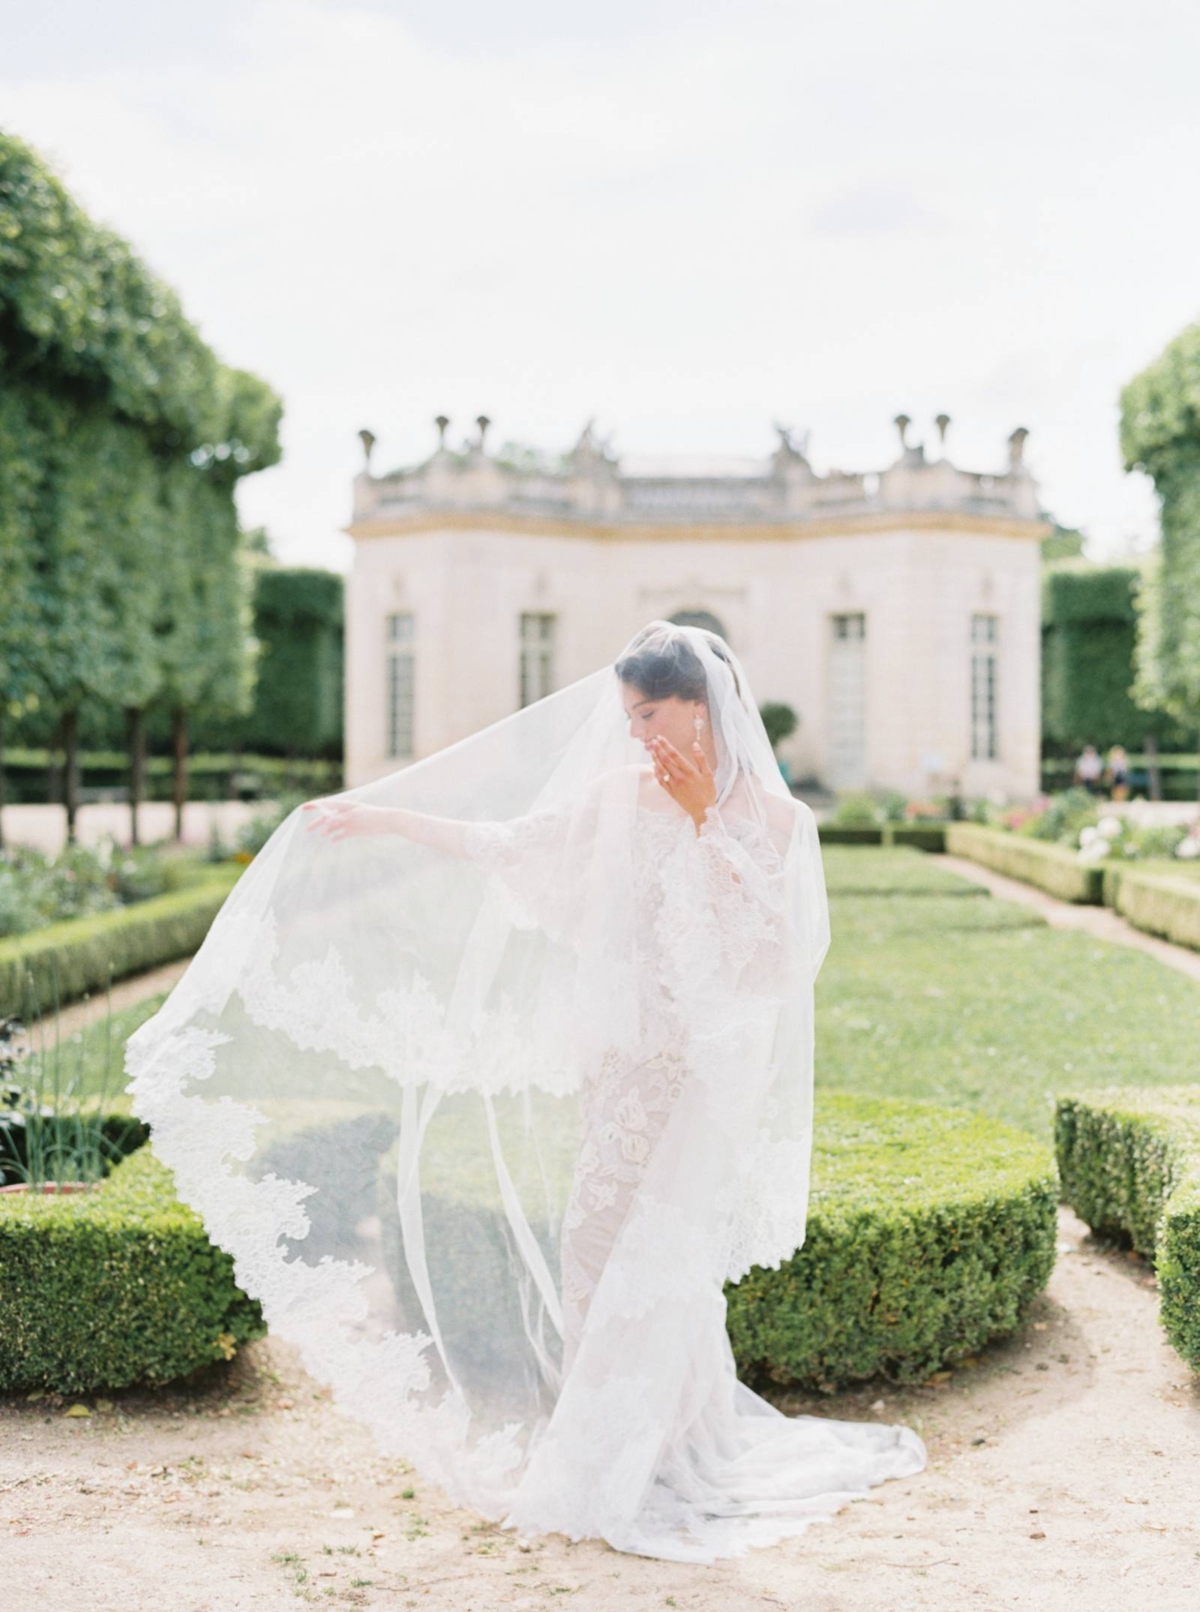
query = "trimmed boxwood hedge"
{"x": 1129, "y": 1161}
{"x": 1053, "y": 868}
{"x": 849, "y": 834}
{"x": 922, "y": 836}
{"x": 930, "y": 1229}
{"x": 1159, "y": 904}
{"x": 118, "y": 1286}
{"x": 66, "y": 959}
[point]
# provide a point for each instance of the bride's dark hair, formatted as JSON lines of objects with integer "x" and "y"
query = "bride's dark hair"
{"x": 668, "y": 665}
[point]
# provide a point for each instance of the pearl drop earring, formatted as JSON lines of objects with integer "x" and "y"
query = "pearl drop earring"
{"x": 699, "y": 723}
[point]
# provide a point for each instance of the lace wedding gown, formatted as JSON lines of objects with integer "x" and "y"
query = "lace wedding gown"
{"x": 488, "y": 1112}
{"x": 654, "y": 1444}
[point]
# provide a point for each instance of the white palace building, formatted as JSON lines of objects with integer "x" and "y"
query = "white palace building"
{"x": 896, "y": 612}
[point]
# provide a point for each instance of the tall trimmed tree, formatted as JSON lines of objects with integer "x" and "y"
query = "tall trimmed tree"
{"x": 1160, "y": 434}
{"x": 123, "y": 437}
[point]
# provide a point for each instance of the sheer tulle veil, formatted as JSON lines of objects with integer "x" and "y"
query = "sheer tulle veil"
{"x": 487, "y": 1103}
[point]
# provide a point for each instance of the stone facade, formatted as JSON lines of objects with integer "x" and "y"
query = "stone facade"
{"x": 897, "y": 612}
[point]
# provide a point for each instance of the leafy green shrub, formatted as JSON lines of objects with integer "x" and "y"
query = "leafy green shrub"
{"x": 252, "y": 836}
{"x": 1160, "y": 905}
{"x": 60, "y": 962}
{"x": 36, "y": 889}
{"x": 850, "y": 833}
{"x": 114, "y": 1286}
{"x": 780, "y": 721}
{"x": 922, "y": 836}
{"x": 1052, "y": 868}
{"x": 929, "y": 1231}
{"x": 1129, "y": 1161}
{"x": 856, "y": 808}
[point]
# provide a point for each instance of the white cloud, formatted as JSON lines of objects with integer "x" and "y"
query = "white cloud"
{"x": 690, "y": 228}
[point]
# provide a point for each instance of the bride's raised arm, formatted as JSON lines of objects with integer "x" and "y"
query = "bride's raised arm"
{"x": 336, "y": 819}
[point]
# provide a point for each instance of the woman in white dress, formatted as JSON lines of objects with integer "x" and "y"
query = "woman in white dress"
{"x": 513, "y": 1049}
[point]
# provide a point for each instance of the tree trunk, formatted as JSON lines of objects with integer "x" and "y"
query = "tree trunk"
{"x": 54, "y": 781}
{"x": 70, "y": 738}
{"x": 179, "y": 737}
{"x": 1153, "y": 767}
{"x": 135, "y": 721}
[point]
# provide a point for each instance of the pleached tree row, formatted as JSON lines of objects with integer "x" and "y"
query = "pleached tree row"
{"x": 123, "y": 579}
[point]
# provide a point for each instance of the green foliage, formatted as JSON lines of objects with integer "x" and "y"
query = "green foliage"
{"x": 979, "y": 1003}
{"x": 64, "y": 960}
{"x": 922, "y": 836}
{"x": 1161, "y": 905}
{"x": 780, "y": 721}
{"x": 115, "y": 1286}
{"x": 1053, "y": 868}
{"x": 252, "y": 836}
{"x": 121, "y": 439}
{"x": 929, "y": 1231}
{"x": 36, "y": 889}
{"x": 1129, "y": 1161}
{"x": 855, "y": 808}
{"x": 1089, "y": 630}
{"x": 298, "y": 700}
{"x": 1160, "y": 434}
{"x": 1063, "y": 543}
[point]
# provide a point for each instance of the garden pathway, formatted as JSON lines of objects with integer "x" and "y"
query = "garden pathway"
{"x": 1102, "y": 922}
{"x": 45, "y": 827}
{"x": 125, "y": 993}
{"x": 1063, "y": 1470}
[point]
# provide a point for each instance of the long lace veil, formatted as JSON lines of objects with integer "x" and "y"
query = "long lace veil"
{"x": 373, "y": 1080}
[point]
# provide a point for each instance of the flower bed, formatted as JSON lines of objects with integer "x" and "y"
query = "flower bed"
{"x": 1129, "y": 1161}
{"x": 64, "y": 960}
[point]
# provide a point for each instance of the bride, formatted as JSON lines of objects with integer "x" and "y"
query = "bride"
{"x": 490, "y": 1075}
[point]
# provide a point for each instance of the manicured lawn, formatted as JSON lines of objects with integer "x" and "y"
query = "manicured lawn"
{"x": 981, "y": 1004}
{"x": 932, "y": 988}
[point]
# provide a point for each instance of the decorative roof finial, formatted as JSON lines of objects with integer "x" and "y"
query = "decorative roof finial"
{"x": 482, "y": 422}
{"x": 441, "y": 422}
{"x": 942, "y": 422}
{"x": 367, "y": 438}
{"x": 902, "y": 423}
{"x": 1016, "y": 447}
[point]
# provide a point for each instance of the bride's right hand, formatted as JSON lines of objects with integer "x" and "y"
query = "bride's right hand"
{"x": 338, "y": 818}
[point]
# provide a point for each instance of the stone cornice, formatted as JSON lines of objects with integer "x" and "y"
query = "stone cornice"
{"x": 423, "y": 522}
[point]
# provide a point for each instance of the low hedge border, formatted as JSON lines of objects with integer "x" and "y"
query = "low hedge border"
{"x": 849, "y": 834}
{"x": 1050, "y": 867}
{"x": 1156, "y": 903}
{"x": 922, "y": 836}
{"x": 1129, "y": 1162}
{"x": 930, "y": 1229}
{"x": 65, "y": 960}
{"x": 114, "y": 1287}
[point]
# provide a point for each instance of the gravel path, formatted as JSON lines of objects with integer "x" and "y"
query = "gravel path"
{"x": 1063, "y": 1473}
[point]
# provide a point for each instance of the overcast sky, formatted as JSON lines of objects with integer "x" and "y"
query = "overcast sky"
{"x": 688, "y": 220}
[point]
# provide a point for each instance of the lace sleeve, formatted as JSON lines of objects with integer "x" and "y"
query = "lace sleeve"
{"x": 524, "y": 856}
{"x": 745, "y": 881}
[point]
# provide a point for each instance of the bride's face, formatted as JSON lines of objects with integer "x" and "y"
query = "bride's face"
{"x": 673, "y": 718}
